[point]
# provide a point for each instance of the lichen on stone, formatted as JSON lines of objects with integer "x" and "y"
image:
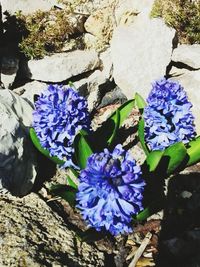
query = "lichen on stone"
{"x": 183, "y": 15}
{"x": 47, "y": 32}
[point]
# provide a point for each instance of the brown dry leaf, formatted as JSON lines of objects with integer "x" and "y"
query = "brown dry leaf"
{"x": 145, "y": 262}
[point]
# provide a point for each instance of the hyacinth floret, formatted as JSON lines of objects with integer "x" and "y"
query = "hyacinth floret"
{"x": 110, "y": 191}
{"x": 60, "y": 112}
{"x": 168, "y": 117}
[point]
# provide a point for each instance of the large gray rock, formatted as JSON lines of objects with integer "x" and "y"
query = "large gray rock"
{"x": 140, "y": 54}
{"x": 27, "y": 6}
{"x": 62, "y": 66}
{"x": 28, "y": 90}
{"x": 17, "y": 157}
{"x": 190, "y": 80}
{"x": 187, "y": 54}
{"x": 31, "y": 234}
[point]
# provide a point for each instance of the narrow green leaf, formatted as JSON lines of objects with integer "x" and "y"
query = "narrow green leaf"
{"x": 153, "y": 207}
{"x": 45, "y": 152}
{"x": 71, "y": 182}
{"x": 173, "y": 157}
{"x": 107, "y": 132}
{"x": 141, "y": 136}
{"x": 75, "y": 173}
{"x": 193, "y": 151}
{"x": 153, "y": 159}
{"x": 116, "y": 120}
{"x": 143, "y": 215}
{"x": 140, "y": 102}
{"x": 82, "y": 149}
{"x": 124, "y": 110}
{"x": 66, "y": 192}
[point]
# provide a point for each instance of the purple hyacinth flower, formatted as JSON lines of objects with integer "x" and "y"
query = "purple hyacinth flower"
{"x": 168, "y": 117}
{"x": 60, "y": 112}
{"x": 110, "y": 191}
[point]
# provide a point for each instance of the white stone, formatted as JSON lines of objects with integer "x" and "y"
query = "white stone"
{"x": 28, "y": 90}
{"x": 190, "y": 80}
{"x": 62, "y": 66}
{"x": 26, "y": 6}
{"x": 187, "y": 54}
{"x": 90, "y": 40}
{"x": 107, "y": 65}
{"x": 140, "y": 54}
{"x": 17, "y": 156}
{"x": 126, "y": 10}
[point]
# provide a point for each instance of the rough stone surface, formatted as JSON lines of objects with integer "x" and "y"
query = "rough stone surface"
{"x": 31, "y": 234}
{"x": 106, "y": 64}
{"x": 9, "y": 68}
{"x": 27, "y": 6}
{"x": 126, "y": 10}
{"x": 140, "y": 53}
{"x": 90, "y": 41}
{"x": 28, "y": 90}
{"x": 62, "y": 66}
{"x": 187, "y": 54}
{"x": 101, "y": 23}
{"x": 92, "y": 87}
{"x": 190, "y": 80}
{"x": 17, "y": 157}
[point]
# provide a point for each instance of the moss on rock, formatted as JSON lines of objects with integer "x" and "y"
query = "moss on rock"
{"x": 183, "y": 15}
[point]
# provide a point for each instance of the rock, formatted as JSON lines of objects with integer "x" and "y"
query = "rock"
{"x": 90, "y": 41}
{"x": 126, "y": 10}
{"x": 140, "y": 54}
{"x": 190, "y": 80}
{"x": 113, "y": 97}
{"x": 30, "y": 89}
{"x": 90, "y": 6}
{"x": 27, "y": 6}
{"x": 9, "y": 68}
{"x": 17, "y": 156}
{"x": 62, "y": 66}
{"x": 101, "y": 23}
{"x": 106, "y": 64}
{"x": 32, "y": 234}
{"x": 188, "y": 55}
{"x": 92, "y": 88}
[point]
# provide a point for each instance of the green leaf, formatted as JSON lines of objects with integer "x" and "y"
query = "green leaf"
{"x": 66, "y": 192}
{"x": 124, "y": 110}
{"x": 153, "y": 207}
{"x": 141, "y": 136}
{"x": 173, "y": 157}
{"x": 45, "y": 152}
{"x": 193, "y": 151}
{"x": 107, "y": 132}
{"x": 143, "y": 215}
{"x": 71, "y": 182}
{"x": 116, "y": 120}
{"x": 153, "y": 159}
{"x": 74, "y": 172}
{"x": 82, "y": 149}
{"x": 140, "y": 102}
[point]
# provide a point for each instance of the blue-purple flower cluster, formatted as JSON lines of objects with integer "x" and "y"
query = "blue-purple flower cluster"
{"x": 59, "y": 114}
{"x": 168, "y": 117}
{"x": 110, "y": 191}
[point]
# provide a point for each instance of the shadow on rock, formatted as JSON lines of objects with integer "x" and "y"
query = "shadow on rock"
{"x": 179, "y": 242}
